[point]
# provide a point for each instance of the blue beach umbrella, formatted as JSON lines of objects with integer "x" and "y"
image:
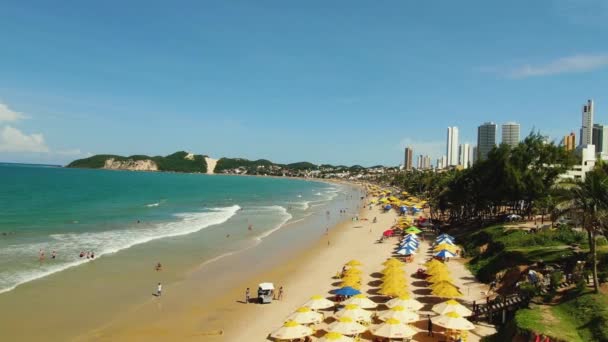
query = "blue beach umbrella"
{"x": 347, "y": 291}
{"x": 411, "y": 236}
{"x": 444, "y": 235}
{"x": 406, "y": 251}
{"x": 444, "y": 253}
{"x": 410, "y": 242}
{"x": 388, "y": 207}
{"x": 448, "y": 241}
{"x": 403, "y": 209}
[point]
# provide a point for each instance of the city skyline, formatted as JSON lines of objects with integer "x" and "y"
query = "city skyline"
{"x": 283, "y": 81}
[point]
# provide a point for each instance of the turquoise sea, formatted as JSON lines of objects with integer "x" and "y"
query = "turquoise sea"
{"x": 73, "y": 210}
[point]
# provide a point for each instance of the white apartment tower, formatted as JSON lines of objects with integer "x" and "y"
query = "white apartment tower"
{"x": 452, "y": 146}
{"x": 464, "y": 156}
{"x": 587, "y": 126}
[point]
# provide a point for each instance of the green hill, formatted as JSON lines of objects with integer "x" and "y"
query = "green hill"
{"x": 175, "y": 162}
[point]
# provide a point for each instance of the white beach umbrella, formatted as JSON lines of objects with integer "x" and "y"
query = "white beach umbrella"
{"x": 362, "y": 301}
{"x": 335, "y": 337}
{"x": 405, "y": 301}
{"x": 452, "y": 320}
{"x": 291, "y": 330}
{"x": 399, "y": 313}
{"x": 393, "y": 328}
{"x": 305, "y": 315}
{"x": 355, "y": 312}
{"x": 346, "y": 326}
{"x": 318, "y": 302}
{"x": 452, "y": 306}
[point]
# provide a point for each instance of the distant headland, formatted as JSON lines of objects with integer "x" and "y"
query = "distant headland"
{"x": 183, "y": 161}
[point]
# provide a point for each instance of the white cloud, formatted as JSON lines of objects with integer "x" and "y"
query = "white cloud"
{"x": 571, "y": 64}
{"x": 13, "y": 140}
{"x": 9, "y": 115}
{"x": 435, "y": 149}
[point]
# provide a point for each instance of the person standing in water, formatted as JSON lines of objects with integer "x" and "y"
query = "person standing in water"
{"x": 159, "y": 290}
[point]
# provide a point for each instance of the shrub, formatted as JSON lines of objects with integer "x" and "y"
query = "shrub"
{"x": 528, "y": 290}
{"x": 601, "y": 241}
{"x": 581, "y": 286}
{"x": 555, "y": 279}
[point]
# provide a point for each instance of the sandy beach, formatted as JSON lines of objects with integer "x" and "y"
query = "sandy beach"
{"x": 181, "y": 315}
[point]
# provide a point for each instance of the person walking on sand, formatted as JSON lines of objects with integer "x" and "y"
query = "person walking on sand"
{"x": 280, "y": 296}
{"x": 159, "y": 290}
{"x": 430, "y": 326}
{"x": 247, "y": 296}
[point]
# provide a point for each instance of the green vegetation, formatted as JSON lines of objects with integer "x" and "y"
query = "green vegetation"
{"x": 505, "y": 248}
{"x": 175, "y": 162}
{"x": 583, "y": 318}
{"x": 302, "y": 166}
{"x": 252, "y": 166}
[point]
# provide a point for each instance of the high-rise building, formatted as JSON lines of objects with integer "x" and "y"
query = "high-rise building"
{"x": 439, "y": 163}
{"x": 409, "y": 156}
{"x": 444, "y": 161}
{"x": 587, "y": 126}
{"x": 426, "y": 162}
{"x": 486, "y": 140}
{"x": 510, "y": 133}
{"x": 419, "y": 163}
{"x": 464, "y": 157}
{"x": 570, "y": 141}
{"x": 452, "y": 146}
{"x": 600, "y": 139}
{"x": 472, "y": 154}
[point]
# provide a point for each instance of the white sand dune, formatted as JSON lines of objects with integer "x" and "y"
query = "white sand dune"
{"x": 210, "y": 165}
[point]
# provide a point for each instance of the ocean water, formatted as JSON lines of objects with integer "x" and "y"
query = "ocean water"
{"x": 72, "y": 210}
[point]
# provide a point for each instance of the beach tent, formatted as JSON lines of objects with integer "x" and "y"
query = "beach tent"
{"x": 452, "y": 306}
{"x": 335, "y": 337}
{"x": 444, "y": 253}
{"x": 400, "y": 313}
{"x": 393, "y": 328}
{"x": 453, "y": 321}
{"x": 355, "y": 312}
{"x": 362, "y": 301}
{"x": 346, "y": 326}
{"x": 405, "y": 301}
{"x": 305, "y": 315}
{"x": 347, "y": 291}
{"x": 290, "y": 331}
{"x": 318, "y": 302}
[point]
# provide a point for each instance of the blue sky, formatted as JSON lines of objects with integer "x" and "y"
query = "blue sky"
{"x": 349, "y": 82}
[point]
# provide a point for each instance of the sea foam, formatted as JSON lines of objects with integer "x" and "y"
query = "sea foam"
{"x": 69, "y": 245}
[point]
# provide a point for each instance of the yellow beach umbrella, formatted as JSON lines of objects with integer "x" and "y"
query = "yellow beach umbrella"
{"x": 439, "y": 277}
{"x": 317, "y": 302}
{"x": 405, "y": 301}
{"x": 305, "y": 315}
{"x": 446, "y": 291}
{"x": 453, "y": 321}
{"x": 355, "y": 312}
{"x": 433, "y": 262}
{"x": 445, "y": 246}
{"x": 392, "y": 290}
{"x": 291, "y": 330}
{"x": 353, "y": 284}
{"x": 335, "y": 337}
{"x": 354, "y": 263}
{"x": 351, "y": 277}
{"x": 353, "y": 270}
{"x": 442, "y": 284}
{"x": 396, "y": 280}
{"x": 400, "y": 313}
{"x": 393, "y": 328}
{"x": 346, "y": 326}
{"x": 392, "y": 262}
{"x": 362, "y": 301}
{"x": 452, "y": 306}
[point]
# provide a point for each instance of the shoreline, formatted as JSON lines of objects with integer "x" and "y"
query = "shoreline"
{"x": 113, "y": 296}
{"x": 188, "y": 323}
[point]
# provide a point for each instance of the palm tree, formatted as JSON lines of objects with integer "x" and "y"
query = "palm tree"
{"x": 589, "y": 201}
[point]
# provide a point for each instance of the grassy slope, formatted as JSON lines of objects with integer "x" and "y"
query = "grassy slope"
{"x": 584, "y": 318}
